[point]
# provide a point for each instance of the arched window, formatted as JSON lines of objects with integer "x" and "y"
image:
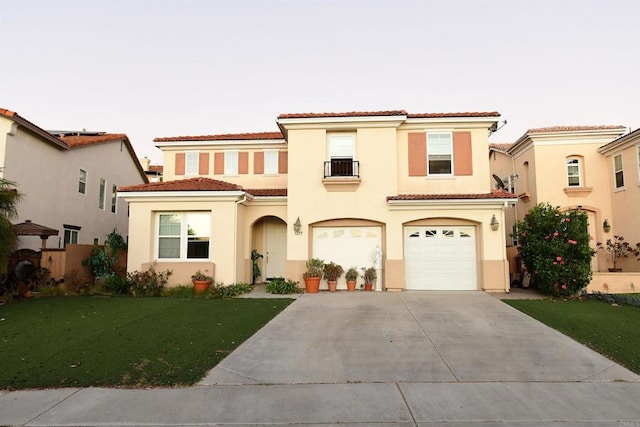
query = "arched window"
{"x": 574, "y": 178}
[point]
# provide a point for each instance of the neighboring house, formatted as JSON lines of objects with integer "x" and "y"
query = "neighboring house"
{"x": 336, "y": 186}
{"x": 68, "y": 180}
{"x": 154, "y": 173}
{"x": 565, "y": 166}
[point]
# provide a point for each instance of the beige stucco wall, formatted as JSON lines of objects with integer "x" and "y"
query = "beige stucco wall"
{"x": 615, "y": 283}
{"x": 48, "y": 179}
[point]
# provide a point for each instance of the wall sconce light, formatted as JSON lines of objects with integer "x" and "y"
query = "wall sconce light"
{"x": 297, "y": 227}
{"x": 494, "y": 223}
{"x": 606, "y": 226}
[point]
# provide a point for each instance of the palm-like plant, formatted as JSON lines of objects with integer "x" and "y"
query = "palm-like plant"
{"x": 9, "y": 198}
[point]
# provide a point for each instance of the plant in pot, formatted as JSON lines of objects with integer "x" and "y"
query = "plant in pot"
{"x": 332, "y": 273}
{"x": 370, "y": 277}
{"x": 617, "y": 248}
{"x": 201, "y": 282}
{"x": 352, "y": 276}
{"x": 313, "y": 275}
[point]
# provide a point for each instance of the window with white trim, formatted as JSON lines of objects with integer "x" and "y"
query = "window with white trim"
{"x": 573, "y": 172}
{"x": 231, "y": 163}
{"x": 114, "y": 198}
{"x": 618, "y": 171}
{"x": 439, "y": 153}
{"x": 191, "y": 163}
{"x": 271, "y": 162}
{"x": 103, "y": 193}
{"x": 82, "y": 182}
{"x": 183, "y": 235}
{"x": 71, "y": 234}
{"x": 341, "y": 156}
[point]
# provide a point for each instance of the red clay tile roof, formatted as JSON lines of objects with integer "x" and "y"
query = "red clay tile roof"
{"x": 193, "y": 184}
{"x": 8, "y": 113}
{"x": 223, "y": 137}
{"x": 201, "y": 184}
{"x": 156, "y": 168}
{"x": 33, "y": 128}
{"x": 500, "y": 146}
{"x": 344, "y": 114}
{"x": 268, "y": 192}
{"x": 84, "y": 140}
{"x": 464, "y": 114}
{"x": 386, "y": 113}
{"x": 573, "y": 128}
{"x": 495, "y": 194}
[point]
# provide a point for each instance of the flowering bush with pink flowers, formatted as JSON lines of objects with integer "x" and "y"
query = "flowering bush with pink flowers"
{"x": 554, "y": 247}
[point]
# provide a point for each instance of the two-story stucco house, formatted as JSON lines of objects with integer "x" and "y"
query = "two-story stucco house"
{"x": 68, "y": 180}
{"x": 336, "y": 186}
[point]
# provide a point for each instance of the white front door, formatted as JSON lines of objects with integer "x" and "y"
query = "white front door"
{"x": 275, "y": 248}
{"x": 440, "y": 258}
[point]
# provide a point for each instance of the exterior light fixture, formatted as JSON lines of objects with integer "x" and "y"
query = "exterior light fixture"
{"x": 606, "y": 226}
{"x": 297, "y": 227}
{"x": 494, "y": 223}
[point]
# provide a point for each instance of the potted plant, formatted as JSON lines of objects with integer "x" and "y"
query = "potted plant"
{"x": 370, "y": 277}
{"x": 313, "y": 275}
{"x": 201, "y": 282}
{"x": 332, "y": 273}
{"x": 351, "y": 275}
{"x": 617, "y": 248}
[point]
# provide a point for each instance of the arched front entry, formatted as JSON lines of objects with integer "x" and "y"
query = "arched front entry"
{"x": 269, "y": 238}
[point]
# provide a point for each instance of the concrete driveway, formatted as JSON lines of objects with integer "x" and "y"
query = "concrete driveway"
{"x": 375, "y": 359}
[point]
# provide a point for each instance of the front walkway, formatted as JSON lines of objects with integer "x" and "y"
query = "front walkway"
{"x": 374, "y": 358}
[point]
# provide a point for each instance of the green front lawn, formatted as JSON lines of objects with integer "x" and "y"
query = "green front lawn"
{"x": 132, "y": 342}
{"x": 609, "y": 330}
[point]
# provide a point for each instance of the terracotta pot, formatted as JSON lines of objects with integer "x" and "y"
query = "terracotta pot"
{"x": 351, "y": 285}
{"x": 368, "y": 287}
{"x": 201, "y": 286}
{"x": 333, "y": 284}
{"x": 312, "y": 284}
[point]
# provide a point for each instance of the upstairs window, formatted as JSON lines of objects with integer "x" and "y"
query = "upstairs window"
{"x": 573, "y": 172}
{"x": 618, "y": 171}
{"x": 271, "y": 162}
{"x": 82, "y": 182}
{"x": 439, "y": 153}
{"x": 103, "y": 193}
{"x": 231, "y": 163}
{"x": 341, "y": 156}
{"x": 184, "y": 235}
{"x": 114, "y": 198}
{"x": 191, "y": 163}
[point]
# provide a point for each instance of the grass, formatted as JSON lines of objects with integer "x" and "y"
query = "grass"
{"x": 129, "y": 342}
{"x": 609, "y": 330}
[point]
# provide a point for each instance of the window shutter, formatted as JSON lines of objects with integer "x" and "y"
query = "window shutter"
{"x": 243, "y": 162}
{"x": 218, "y": 163}
{"x": 258, "y": 162}
{"x": 462, "y": 159}
{"x": 203, "y": 167}
{"x": 417, "y": 154}
{"x": 283, "y": 158}
{"x": 180, "y": 163}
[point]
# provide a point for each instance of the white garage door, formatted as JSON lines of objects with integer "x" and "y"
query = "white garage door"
{"x": 440, "y": 258}
{"x": 347, "y": 246}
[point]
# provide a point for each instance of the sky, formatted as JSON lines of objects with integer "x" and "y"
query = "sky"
{"x": 158, "y": 68}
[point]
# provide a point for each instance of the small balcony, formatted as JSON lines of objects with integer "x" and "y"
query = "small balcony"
{"x": 342, "y": 168}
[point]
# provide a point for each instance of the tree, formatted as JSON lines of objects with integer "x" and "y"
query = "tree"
{"x": 554, "y": 246}
{"x": 9, "y": 199}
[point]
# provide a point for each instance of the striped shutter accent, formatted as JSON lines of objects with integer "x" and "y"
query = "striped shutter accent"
{"x": 243, "y": 162}
{"x": 258, "y": 162}
{"x": 180, "y": 163}
{"x": 462, "y": 158}
{"x": 218, "y": 163}
{"x": 283, "y": 162}
{"x": 203, "y": 166}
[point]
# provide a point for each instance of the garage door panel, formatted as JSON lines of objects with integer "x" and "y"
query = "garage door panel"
{"x": 440, "y": 258}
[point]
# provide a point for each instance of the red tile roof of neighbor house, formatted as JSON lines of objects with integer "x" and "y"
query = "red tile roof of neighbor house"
{"x": 573, "y": 128}
{"x": 385, "y": 113}
{"x": 500, "y": 146}
{"x": 223, "y": 137}
{"x": 495, "y": 194}
{"x": 201, "y": 184}
{"x": 84, "y": 140}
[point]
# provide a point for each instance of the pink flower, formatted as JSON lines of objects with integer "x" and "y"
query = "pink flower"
{"x": 573, "y": 242}
{"x": 558, "y": 258}
{"x": 564, "y": 286}
{"x": 524, "y": 233}
{"x": 568, "y": 219}
{"x": 555, "y": 263}
{"x": 556, "y": 234}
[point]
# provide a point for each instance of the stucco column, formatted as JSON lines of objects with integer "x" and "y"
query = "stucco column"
{"x": 377, "y": 264}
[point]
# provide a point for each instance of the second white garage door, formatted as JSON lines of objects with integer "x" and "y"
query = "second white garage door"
{"x": 440, "y": 258}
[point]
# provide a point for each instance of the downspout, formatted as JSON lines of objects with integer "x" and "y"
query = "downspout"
{"x": 235, "y": 237}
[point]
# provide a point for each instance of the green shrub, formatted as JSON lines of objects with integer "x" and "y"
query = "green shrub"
{"x": 233, "y": 290}
{"x": 554, "y": 246}
{"x": 115, "y": 284}
{"x": 148, "y": 283}
{"x": 281, "y": 286}
{"x": 181, "y": 291}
